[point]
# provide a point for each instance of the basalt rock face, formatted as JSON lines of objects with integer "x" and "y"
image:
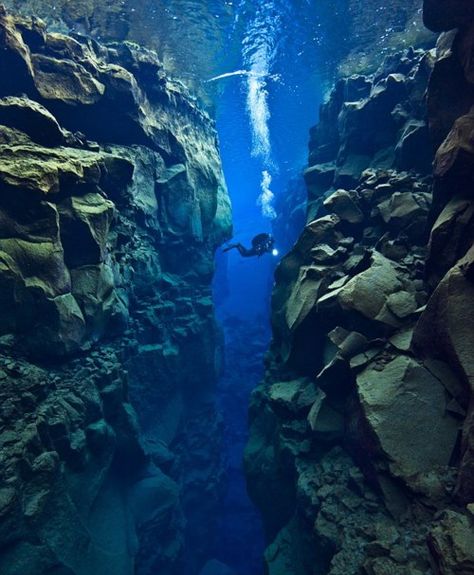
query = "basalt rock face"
{"x": 446, "y": 329}
{"x": 112, "y": 202}
{"x": 374, "y": 30}
{"x": 360, "y": 451}
{"x": 352, "y": 37}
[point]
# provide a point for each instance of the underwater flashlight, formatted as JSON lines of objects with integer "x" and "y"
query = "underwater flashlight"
{"x": 275, "y": 252}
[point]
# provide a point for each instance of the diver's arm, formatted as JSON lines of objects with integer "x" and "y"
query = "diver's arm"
{"x": 230, "y": 247}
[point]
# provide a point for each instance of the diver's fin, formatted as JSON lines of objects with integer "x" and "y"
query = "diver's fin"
{"x": 231, "y": 247}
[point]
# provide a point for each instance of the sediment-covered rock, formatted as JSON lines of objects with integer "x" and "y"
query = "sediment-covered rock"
{"x": 112, "y": 203}
{"x": 372, "y": 311}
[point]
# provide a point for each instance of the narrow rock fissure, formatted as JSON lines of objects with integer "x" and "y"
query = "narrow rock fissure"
{"x": 174, "y": 400}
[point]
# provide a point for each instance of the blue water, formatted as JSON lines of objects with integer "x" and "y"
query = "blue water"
{"x": 263, "y": 124}
{"x": 259, "y": 66}
{"x": 263, "y": 128}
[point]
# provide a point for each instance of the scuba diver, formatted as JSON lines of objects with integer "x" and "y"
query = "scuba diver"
{"x": 261, "y": 244}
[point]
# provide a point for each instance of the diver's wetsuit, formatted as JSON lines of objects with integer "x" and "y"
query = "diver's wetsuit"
{"x": 243, "y": 251}
{"x": 261, "y": 244}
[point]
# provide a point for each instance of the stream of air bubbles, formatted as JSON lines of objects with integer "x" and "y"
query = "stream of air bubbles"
{"x": 258, "y": 54}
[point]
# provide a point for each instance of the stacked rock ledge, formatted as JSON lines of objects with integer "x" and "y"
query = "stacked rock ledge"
{"x": 112, "y": 202}
{"x": 360, "y": 454}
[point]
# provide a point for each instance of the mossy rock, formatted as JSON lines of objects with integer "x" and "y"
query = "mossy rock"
{"x": 85, "y": 226}
{"x": 43, "y": 171}
{"x": 31, "y": 118}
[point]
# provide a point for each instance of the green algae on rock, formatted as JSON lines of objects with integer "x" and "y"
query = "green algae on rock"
{"x": 112, "y": 202}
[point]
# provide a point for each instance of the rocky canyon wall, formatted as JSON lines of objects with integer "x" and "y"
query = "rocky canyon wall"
{"x": 112, "y": 203}
{"x": 350, "y": 37}
{"x": 360, "y": 455}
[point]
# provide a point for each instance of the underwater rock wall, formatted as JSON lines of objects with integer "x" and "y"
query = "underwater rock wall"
{"x": 103, "y": 19}
{"x": 349, "y": 37}
{"x": 360, "y": 454}
{"x": 112, "y": 202}
{"x": 374, "y": 30}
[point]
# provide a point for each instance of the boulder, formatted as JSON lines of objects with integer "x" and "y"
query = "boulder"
{"x": 325, "y": 422}
{"x": 180, "y": 205}
{"x": 32, "y": 170}
{"x": 15, "y": 56}
{"x": 451, "y": 236}
{"x": 450, "y": 96}
{"x": 319, "y": 178}
{"x": 349, "y": 170}
{"x": 343, "y": 204}
{"x": 402, "y": 304}
{"x": 414, "y": 150}
{"x": 65, "y": 81}
{"x": 451, "y": 543}
{"x": 356, "y": 87}
{"x": 320, "y": 230}
{"x": 408, "y": 212}
{"x": 303, "y": 297}
{"x": 348, "y": 343}
{"x": 39, "y": 266}
{"x": 336, "y": 378}
{"x": 360, "y": 122}
{"x": 85, "y": 225}
{"x": 361, "y": 360}
{"x": 93, "y": 288}
{"x": 33, "y": 119}
{"x": 402, "y": 340}
{"x": 65, "y": 47}
{"x": 396, "y": 250}
{"x": 32, "y": 263}
{"x": 292, "y": 398}
{"x": 368, "y": 292}
{"x": 60, "y": 329}
{"x": 404, "y": 406}
{"x": 446, "y": 328}
{"x": 324, "y": 254}
{"x": 455, "y": 157}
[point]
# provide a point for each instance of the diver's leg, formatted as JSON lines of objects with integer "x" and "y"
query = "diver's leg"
{"x": 244, "y": 252}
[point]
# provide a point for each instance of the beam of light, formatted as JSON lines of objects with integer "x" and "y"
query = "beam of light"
{"x": 231, "y": 74}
